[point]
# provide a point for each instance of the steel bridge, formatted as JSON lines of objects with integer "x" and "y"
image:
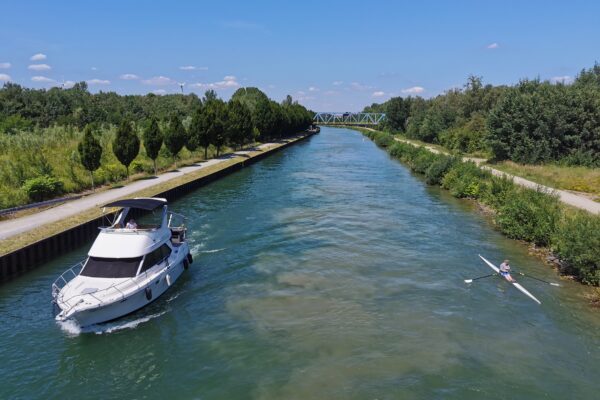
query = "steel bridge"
{"x": 348, "y": 118}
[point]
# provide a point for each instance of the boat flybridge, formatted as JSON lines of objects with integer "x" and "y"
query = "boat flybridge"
{"x": 127, "y": 267}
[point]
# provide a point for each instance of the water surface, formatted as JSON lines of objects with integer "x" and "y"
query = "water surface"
{"x": 325, "y": 271}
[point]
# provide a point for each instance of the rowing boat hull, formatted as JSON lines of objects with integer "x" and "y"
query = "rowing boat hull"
{"x": 515, "y": 284}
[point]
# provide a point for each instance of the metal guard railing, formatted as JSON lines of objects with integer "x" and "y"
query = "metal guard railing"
{"x": 61, "y": 282}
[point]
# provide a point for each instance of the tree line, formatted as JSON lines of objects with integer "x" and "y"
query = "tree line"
{"x": 531, "y": 122}
{"x": 250, "y": 115}
{"x": 59, "y": 141}
{"x": 23, "y": 109}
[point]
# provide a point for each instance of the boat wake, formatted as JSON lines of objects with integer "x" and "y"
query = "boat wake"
{"x": 211, "y": 251}
{"x": 73, "y": 329}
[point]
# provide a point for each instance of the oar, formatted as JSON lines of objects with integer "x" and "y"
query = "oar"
{"x": 538, "y": 279}
{"x": 481, "y": 277}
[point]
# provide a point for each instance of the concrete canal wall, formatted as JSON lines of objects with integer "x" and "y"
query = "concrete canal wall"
{"x": 22, "y": 260}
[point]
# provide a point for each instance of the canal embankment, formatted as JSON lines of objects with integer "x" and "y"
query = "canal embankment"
{"x": 327, "y": 270}
{"x": 567, "y": 238}
{"x": 29, "y": 240}
{"x": 580, "y": 201}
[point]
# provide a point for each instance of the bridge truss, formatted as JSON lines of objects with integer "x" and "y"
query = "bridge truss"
{"x": 347, "y": 118}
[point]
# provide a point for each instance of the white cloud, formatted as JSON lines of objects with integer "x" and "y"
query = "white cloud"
{"x": 229, "y": 81}
{"x": 337, "y": 83}
{"x": 39, "y": 67}
{"x": 5, "y": 65}
{"x": 4, "y": 78}
{"x": 313, "y": 89}
{"x": 159, "y": 81}
{"x": 159, "y": 91}
{"x": 129, "y": 77}
{"x": 192, "y": 68}
{"x": 94, "y": 69}
{"x": 68, "y": 84}
{"x": 492, "y": 45}
{"x": 38, "y": 57}
{"x": 378, "y": 93}
{"x": 98, "y": 82}
{"x": 42, "y": 79}
{"x": 413, "y": 90}
{"x": 359, "y": 86}
{"x": 561, "y": 79}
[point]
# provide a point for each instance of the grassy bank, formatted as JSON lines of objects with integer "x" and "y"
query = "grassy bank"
{"x": 525, "y": 214}
{"x": 53, "y": 152}
{"x": 581, "y": 179}
{"x": 26, "y": 238}
{"x": 576, "y": 178}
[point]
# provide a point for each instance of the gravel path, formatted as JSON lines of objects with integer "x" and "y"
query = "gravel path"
{"x": 26, "y": 223}
{"x": 572, "y": 199}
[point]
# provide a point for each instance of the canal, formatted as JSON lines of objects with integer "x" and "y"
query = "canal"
{"x": 324, "y": 271}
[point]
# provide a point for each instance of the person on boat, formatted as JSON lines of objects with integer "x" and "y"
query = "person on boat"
{"x": 131, "y": 224}
{"x": 505, "y": 271}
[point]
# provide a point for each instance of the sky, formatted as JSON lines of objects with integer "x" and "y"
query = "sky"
{"x": 328, "y": 55}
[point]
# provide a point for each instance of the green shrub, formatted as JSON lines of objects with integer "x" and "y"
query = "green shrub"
{"x": 577, "y": 242}
{"x": 438, "y": 168}
{"x": 43, "y": 188}
{"x": 422, "y": 160}
{"x": 530, "y": 215}
{"x": 465, "y": 179}
{"x": 496, "y": 191}
{"x": 383, "y": 139}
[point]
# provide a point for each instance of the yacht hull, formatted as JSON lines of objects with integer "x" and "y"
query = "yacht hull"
{"x": 131, "y": 303}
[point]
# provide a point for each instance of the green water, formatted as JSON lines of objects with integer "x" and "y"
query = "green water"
{"x": 326, "y": 271}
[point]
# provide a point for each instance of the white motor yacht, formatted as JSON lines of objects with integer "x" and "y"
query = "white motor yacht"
{"x": 127, "y": 267}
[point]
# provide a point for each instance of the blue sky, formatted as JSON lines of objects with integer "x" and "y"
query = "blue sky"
{"x": 330, "y": 55}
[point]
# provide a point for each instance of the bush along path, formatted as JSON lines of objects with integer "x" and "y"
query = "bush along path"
{"x": 17, "y": 232}
{"x": 575, "y": 200}
{"x": 570, "y": 238}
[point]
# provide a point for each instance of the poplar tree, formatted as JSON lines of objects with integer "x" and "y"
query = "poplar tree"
{"x": 126, "y": 145}
{"x": 153, "y": 140}
{"x": 90, "y": 152}
{"x": 175, "y": 136}
{"x": 239, "y": 123}
{"x": 199, "y": 133}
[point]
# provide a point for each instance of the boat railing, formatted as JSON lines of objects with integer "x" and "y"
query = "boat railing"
{"x": 67, "y": 304}
{"x": 65, "y": 277}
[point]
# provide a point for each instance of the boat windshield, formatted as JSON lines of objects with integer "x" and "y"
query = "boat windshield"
{"x": 97, "y": 267}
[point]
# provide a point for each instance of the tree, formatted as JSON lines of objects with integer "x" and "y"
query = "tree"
{"x": 210, "y": 95}
{"x": 239, "y": 123}
{"x": 199, "y": 132}
{"x": 215, "y": 113}
{"x": 264, "y": 119}
{"x": 90, "y": 152}
{"x": 153, "y": 140}
{"x": 175, "y": 136}
{"x": 397, "y": 111}
{"x": 126, "y": 145}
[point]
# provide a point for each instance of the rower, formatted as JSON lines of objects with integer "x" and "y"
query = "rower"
{"x": 505, "y": 271}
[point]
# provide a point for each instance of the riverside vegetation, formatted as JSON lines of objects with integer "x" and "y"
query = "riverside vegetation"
{"x": 531, "y": 215}
{"x": 553, "y": 127}
{"x": 59, "y": 141}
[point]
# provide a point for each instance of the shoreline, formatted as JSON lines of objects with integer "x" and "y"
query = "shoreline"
{"x": 549, "y": 256}
{"x": 70, "y": 225}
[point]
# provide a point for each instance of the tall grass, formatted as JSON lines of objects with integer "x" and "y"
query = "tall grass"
{"x": 52, "y": 153}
